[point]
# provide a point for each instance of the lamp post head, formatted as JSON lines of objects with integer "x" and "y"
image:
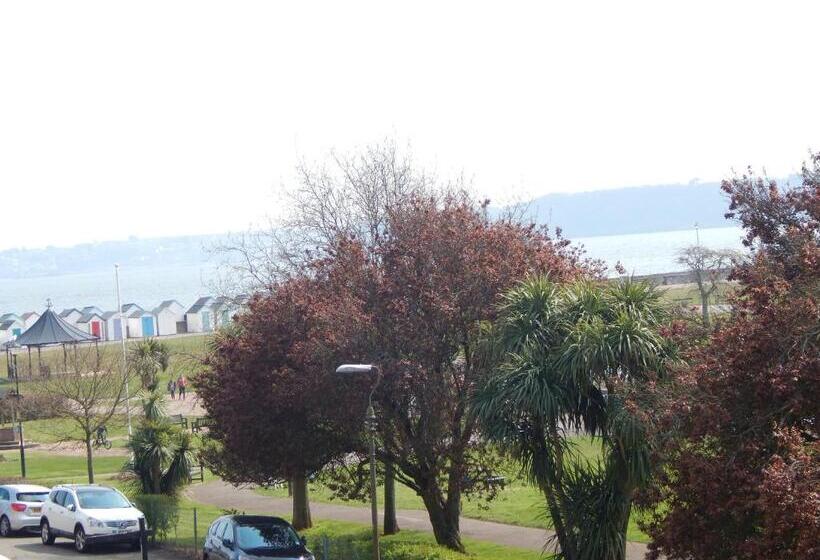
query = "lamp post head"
{"x": 347, "y": 369}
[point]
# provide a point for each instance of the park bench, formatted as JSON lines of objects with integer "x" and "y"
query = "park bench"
{"x": 199, "y": 423}
{"x": 197, "y": 473}
{"x": 491, "y": 481}
{"x": 178, "y": 419}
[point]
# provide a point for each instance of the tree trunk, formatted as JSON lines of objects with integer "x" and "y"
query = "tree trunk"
{"x": 156, "y": 477}
{"x": 443, "y": 517}
{"x": 625, "y": 528}
{"x": 391, "y": 525}
{"x": 566, "y": 546}
{"x": 89, "y": 458}
{"x": 704, "y": 310}
{"x": 301, "y": 504}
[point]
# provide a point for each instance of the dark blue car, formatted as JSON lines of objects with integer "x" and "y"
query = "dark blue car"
{"x": 253, "y": 537}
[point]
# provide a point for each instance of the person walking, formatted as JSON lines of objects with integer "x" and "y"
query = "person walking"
{"x": 172, "y": 388}
{"x": 182, "y": 385}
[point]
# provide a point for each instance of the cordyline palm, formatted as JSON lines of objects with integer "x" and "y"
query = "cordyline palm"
{"x": 147, "y": 358}
{"x": 162, "y": 454}
{"x": 563, "y": 358}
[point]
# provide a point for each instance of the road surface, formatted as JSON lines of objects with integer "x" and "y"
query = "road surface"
{"x": 29, "y": 547}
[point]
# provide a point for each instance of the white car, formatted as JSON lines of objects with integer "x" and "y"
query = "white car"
{"x": 20, "y": 507}
{"x": 89, "y": 514}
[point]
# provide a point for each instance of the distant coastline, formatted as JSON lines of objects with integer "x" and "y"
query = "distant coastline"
{"x": 149, "y": 281}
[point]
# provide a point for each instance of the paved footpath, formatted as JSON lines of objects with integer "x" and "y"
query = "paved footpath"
{"x": 223, "y": 495}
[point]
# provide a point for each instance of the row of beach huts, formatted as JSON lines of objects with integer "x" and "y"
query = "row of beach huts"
{"x": 169, "y": 318}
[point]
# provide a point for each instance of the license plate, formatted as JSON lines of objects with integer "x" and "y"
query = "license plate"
{"x": 35, "y": 510}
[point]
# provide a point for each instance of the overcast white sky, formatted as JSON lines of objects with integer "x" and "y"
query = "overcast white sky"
{"x": 165, "y": 118}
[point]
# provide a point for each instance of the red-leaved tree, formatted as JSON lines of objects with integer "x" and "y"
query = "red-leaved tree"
{"x": 433, "y": 275}
{"x": 744, "y": 479}
{"x": 270, "y": 389}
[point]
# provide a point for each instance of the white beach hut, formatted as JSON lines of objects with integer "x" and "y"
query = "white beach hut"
{"x": 93, "y": 323}
{"x": 113, "y": 329}
{"x": 141, "y": 324}
{"x": 199, "y": 317}
{"x": 29, "y": 318}
{"x": 10, "y": 328}
{"x": 71, "y": 316}
{"x": 170, "y": 317}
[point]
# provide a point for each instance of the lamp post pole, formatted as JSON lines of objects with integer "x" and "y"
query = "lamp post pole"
{"x": 124, "y": 352}
{"x": 374, "y": 511}
{"x": 371, "y": 425}
{"x": 17, "y": 397}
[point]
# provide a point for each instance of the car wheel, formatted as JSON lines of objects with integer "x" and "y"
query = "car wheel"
{"x": 5, "y": 527}
{"x": 45, "y": 533}
{"x": 80, "y": 541}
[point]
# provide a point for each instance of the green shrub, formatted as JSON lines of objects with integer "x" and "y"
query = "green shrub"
{"x": 161, "y": 514}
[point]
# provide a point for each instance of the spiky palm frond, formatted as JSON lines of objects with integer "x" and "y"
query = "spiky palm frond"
{"x": 178, "y": 473}
{"x": 147, "y": 358}
{"x": 564, "y": 350}
{"x": 153, "y": 406}
{"x": 161, "y": 454}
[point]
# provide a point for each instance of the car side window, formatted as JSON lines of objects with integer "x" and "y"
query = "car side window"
{"x": 227, "y": 532}
{"x": 218, "y": 528}
{"x": 4, "y": 494}
{"x": 59, "y": 497}
{"x": 68, "y": 500}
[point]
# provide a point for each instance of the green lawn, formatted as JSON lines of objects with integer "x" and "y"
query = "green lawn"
{"x": 518, "y": 504}
{"x": 53, "y": 430}
{"x": 49, "y": 469}
{"x": 688, "y": 294}
{"x": 350, "y": 540}
{"x": 185, "y": 352}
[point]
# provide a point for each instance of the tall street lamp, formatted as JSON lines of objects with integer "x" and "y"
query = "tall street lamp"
{"x": 18, "y": 413}
{"x": 371, "y": 425}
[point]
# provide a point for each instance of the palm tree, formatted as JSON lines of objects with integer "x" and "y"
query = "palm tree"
{"x": 162, "y": 454}
{"x": 149, "y": 357}
{"x": 565, "y": 360}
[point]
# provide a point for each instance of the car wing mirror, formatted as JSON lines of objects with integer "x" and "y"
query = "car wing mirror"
{"x": 227, "y": 543}
{"x": 303, "y": 540}
{"x": 72, "y": 507}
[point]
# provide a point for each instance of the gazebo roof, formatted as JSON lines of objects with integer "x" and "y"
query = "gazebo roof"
{"x": 50, "y": 329}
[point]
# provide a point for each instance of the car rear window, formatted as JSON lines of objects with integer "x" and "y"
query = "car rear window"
{"x": 32, "y": 496}
{"x": 271, "y": 536}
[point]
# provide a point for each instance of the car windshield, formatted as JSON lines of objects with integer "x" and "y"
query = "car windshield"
{"x": 101, "y": 498}
{"x": 32, "y": 496}
{"x": 267, "y": 535}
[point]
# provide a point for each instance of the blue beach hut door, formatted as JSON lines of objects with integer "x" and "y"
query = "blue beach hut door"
{"x": 147, "y": 326}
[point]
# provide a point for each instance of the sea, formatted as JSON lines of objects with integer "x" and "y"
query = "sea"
{"x": 148, "y": 285}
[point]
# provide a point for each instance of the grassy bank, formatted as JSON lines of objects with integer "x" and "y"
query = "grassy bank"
{"x": 687, "y": 295}
{"x": 49, "y": 469}
{"x": 350, "y": 540}
{"x": 185, "y": 354}
{"x": 519, "y": 503}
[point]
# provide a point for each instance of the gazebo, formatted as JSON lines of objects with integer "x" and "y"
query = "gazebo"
{"x": 51, "y": 330}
